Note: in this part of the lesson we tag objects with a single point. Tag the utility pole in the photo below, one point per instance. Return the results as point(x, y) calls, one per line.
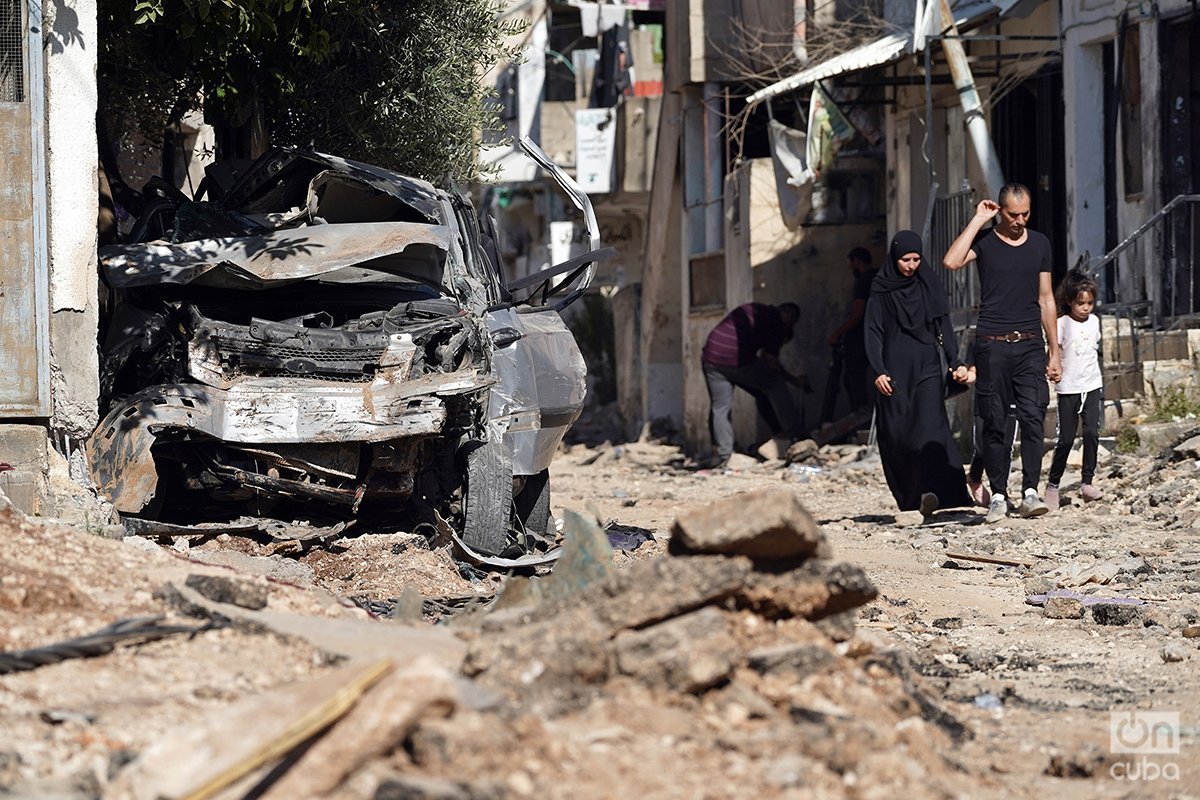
point(973, 113)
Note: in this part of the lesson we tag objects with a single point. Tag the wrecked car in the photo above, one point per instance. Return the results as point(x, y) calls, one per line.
point(321, 337)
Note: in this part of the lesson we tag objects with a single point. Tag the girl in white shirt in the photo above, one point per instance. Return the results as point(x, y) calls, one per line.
point(1081, 389)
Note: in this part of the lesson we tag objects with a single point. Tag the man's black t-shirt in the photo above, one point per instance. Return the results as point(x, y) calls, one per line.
point(1008, 282)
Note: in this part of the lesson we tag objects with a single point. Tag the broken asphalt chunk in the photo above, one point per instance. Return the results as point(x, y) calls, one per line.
point(763, 524)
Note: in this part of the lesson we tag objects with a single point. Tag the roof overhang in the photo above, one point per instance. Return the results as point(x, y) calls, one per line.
point(880, 52)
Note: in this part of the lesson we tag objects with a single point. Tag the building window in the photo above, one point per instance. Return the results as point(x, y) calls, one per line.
point(12, 51)
point(1131, 112)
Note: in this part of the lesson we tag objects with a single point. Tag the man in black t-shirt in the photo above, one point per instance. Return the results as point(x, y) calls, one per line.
point(849, 335)
point(1016, 308)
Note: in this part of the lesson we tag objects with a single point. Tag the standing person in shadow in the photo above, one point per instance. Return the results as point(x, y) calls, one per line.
point(907, 323)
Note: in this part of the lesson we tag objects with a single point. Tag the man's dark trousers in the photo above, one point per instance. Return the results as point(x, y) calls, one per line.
point(1012, 374)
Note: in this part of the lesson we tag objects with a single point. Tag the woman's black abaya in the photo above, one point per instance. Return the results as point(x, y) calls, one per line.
point(903, 318)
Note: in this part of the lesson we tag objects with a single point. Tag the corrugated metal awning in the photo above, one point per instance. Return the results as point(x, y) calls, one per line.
point(882, 51)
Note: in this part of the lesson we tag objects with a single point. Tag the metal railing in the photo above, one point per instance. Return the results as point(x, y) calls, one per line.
point(949, 216)
point(1173, 239)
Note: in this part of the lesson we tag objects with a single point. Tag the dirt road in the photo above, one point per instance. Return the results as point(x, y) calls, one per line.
point(948, 684)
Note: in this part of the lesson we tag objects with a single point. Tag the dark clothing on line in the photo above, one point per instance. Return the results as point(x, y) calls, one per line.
point(1070, 408)
point(1008, 282)
point(746, 330)
point(915, 445)
point(1010, 374)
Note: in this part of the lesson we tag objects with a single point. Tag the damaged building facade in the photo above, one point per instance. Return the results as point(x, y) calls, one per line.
point(589, 90)
point(744, 208)
point(48, 209)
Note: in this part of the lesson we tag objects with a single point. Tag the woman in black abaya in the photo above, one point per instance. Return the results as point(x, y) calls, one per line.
point(905, 315)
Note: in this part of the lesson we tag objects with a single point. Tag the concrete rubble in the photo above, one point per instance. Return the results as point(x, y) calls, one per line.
point(780, 634)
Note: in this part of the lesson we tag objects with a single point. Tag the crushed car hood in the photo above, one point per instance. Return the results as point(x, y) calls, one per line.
point(280, 256)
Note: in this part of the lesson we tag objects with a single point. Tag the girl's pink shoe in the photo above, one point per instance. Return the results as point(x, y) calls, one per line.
point(1090, 493)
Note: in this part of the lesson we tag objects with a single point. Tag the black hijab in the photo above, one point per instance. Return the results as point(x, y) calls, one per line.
point(917, 301)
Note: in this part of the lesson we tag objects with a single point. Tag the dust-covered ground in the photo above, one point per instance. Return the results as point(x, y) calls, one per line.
point(902, 663)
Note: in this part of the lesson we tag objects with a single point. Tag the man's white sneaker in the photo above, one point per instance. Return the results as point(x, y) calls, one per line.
point(997, 509)
point(1032, 505)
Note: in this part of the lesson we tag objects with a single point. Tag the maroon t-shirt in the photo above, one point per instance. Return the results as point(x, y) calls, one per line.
point(736, 340)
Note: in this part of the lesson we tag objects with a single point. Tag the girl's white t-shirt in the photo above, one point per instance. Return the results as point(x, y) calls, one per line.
point(1079, 343)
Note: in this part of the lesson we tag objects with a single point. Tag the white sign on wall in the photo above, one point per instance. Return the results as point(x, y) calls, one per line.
point(595, 147)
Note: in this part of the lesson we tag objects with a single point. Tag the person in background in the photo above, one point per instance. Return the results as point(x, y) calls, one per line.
point(849, 335)
point(907, 323)
point(1013, 359)
point(742, 351)
point(1081, 389)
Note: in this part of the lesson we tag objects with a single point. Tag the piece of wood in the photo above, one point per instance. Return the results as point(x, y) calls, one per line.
point(1007, 562)
point(379, 723)
point(308, 725)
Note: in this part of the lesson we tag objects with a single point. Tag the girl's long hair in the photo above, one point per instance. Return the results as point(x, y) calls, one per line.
point(1073, 284)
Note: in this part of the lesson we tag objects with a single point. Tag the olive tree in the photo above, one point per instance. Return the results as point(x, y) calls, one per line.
point(393, 83)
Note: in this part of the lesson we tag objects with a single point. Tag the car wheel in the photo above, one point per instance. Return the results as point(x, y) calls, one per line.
point(532, 505)
point(487, 496)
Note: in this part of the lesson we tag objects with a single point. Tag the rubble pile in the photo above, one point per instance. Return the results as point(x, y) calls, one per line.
point(728, 667)
point(748, 627)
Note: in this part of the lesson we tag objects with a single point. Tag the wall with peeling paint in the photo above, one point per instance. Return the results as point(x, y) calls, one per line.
point(71, 46)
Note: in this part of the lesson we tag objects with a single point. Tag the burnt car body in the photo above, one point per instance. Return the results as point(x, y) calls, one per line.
point(323, 337)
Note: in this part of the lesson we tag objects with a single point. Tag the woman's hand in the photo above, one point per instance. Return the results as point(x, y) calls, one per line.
point(884, 384)
point(963, 375)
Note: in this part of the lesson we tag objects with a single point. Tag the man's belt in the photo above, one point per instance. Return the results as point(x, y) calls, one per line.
point(1015, 336)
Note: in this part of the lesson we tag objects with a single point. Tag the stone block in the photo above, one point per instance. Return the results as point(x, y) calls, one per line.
point(764, 524)
point(25, 449)
point(1114, 613)
point(688, 654)
point(1063, 608)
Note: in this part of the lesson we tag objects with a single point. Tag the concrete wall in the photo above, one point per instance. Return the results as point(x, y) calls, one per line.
point(72, 207)
point(72, 202)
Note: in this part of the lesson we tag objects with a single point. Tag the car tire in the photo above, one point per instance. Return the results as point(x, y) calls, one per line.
point(532, 505)
point(487, 496)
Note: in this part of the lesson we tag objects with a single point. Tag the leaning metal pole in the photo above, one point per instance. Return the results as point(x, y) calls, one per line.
point(973, 113)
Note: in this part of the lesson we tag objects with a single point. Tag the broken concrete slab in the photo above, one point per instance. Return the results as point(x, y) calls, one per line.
point(345, 637)
point(814, 591)
point(274, 568)
point(764, 524)
point(643, 593)
point(690, 653)
point(587, 558)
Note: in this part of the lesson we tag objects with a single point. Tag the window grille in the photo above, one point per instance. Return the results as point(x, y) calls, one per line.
point(12, 51)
